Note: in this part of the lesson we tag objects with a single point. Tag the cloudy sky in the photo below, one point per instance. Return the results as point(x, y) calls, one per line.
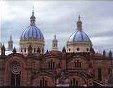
point(59, 17)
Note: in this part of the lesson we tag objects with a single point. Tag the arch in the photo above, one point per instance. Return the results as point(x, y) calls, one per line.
point(80, 78)
point(44, 79)
point(14, 58)
point(85, 63)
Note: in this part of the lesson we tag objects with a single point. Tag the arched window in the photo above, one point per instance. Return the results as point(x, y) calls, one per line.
point(78, 49)
point(25, 50)
point(21, 49)
point(34, 50)
point(87, 49)
point(43, 82)
point(15, 74)
point(69, 49)
point(77, 64)
point(53, 45)
point(73, 82)
point(51, 64)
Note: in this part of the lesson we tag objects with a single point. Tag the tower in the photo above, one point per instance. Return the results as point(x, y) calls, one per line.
point(33, 37)
point(79, 41)
point(10, 44)
point(55, 43)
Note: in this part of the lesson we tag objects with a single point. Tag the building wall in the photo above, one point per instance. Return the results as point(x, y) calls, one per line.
point(55, 68)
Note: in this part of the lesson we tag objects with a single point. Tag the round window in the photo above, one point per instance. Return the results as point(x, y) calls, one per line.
point(15, 68)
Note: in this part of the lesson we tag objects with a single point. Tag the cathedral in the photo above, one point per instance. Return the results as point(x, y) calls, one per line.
point(76, 65)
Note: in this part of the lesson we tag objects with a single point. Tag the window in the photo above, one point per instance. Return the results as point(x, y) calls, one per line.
point(73, 82)
point(53, 45)
point(25, 50)
point(69, 49)
point(78, 49)
point(87, 49)
point(99, 74)
point(51, 64)
point(43, 82)
point(34, 50)
point(77, 64)
point(21, 50)
point(15, 74)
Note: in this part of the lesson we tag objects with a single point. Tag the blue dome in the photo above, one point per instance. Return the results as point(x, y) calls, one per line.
point(79, 36)
point(32, 32)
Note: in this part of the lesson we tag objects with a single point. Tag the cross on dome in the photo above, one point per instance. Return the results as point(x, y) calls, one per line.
point(79, 18)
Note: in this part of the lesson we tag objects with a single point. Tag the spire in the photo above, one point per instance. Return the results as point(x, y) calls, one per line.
point(32, 18)
point(3, 50)
point(64, 49)
point(54, 36)
point(10, 38)
point(104, 53)
point(110, 54)
point(79, 18)
point(79, 24)
point(14, 50)
point(47, 51)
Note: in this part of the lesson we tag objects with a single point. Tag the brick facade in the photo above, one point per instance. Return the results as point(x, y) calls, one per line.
point(56, 67)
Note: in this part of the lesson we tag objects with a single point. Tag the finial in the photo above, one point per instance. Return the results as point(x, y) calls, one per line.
point(64, 50)
point(79, 17)
point(110, 54)
point(10, 38)
point(33, 11)
point(14, 50)
point(104, 53)
point(54, 36)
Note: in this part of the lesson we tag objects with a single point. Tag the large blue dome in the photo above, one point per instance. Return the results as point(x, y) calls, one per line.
point(32, 32)
point(79, 36)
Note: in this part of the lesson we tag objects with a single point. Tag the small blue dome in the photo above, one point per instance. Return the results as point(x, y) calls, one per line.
point(79, 36)
point(32, 32)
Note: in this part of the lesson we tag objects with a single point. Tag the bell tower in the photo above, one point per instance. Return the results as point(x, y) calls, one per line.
point(55, 43)
point(10, 44)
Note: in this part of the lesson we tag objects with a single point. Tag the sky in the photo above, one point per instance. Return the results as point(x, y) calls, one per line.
point(59, 18)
